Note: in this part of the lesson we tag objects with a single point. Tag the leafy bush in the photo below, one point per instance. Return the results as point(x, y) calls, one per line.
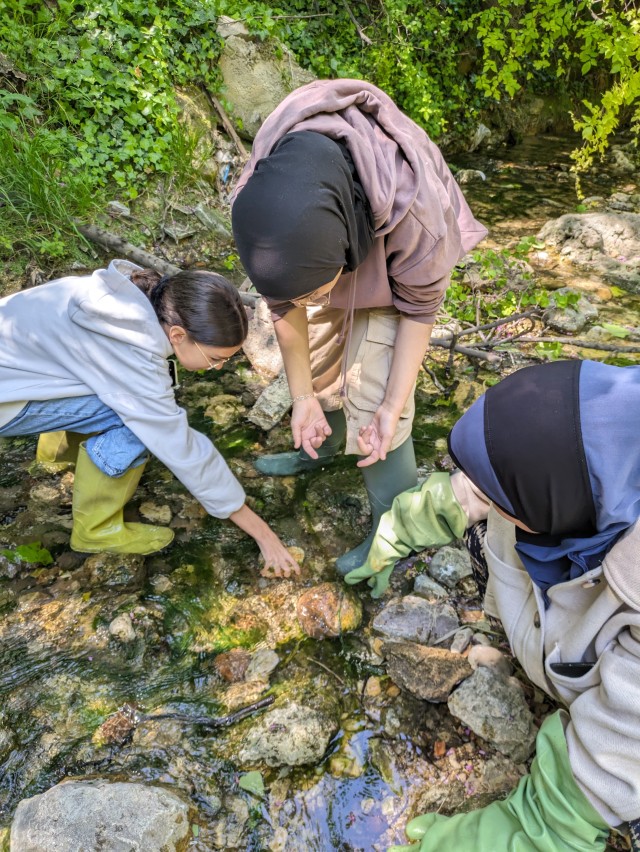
point(104, 73)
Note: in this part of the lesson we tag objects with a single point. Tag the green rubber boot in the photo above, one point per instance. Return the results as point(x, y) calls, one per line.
point(384, 480)
point(291, 464)
point(58, 450)
point(98, 522)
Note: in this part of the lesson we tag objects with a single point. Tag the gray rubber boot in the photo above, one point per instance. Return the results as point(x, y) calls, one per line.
point(290, 464)
point(384, 480)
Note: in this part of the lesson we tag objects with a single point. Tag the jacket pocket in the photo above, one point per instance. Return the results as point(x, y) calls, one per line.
point(569, 680)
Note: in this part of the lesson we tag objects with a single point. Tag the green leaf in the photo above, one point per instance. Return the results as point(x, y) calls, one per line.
point(33, 553)
point(252, 782)
point(615, 330)
point(617, 291)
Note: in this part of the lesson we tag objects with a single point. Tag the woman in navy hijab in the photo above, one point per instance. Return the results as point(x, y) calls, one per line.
point(547, 497)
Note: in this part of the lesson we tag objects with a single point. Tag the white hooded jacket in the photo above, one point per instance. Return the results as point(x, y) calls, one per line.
point(98, 334)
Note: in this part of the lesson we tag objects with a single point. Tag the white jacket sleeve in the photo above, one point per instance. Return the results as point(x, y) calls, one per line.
point(163, 428)
point(603, 735)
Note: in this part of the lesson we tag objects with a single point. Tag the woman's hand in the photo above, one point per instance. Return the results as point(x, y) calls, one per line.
point(375, 439)
point(278, 562)
point(309, 426)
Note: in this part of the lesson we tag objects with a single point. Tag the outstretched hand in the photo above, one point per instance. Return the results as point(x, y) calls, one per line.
point(278, 562)
point(374, 440)
point(309, 426)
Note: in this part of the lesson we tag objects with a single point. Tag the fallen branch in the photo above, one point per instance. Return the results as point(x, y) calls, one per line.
point(365, 38)
point(213, 721)
point(226, 122)
point(491, 357)
point(573, 341)
point(122, 248)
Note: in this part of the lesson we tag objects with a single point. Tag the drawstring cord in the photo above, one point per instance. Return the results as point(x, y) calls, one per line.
point(347, 327)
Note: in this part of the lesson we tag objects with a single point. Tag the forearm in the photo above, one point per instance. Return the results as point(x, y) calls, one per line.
point(293, 338)
point(252, 524)
point(411, 344)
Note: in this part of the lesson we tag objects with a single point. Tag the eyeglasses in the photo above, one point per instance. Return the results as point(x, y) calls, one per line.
point(312, 301)
point(213, 365)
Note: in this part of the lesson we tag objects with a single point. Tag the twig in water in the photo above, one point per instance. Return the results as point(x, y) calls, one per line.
point(327, 669)
point(213, 721)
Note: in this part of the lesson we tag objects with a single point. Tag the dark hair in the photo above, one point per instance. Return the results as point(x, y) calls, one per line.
point(205, 304)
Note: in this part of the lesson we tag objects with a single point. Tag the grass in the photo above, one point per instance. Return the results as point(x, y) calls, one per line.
point(40, 196)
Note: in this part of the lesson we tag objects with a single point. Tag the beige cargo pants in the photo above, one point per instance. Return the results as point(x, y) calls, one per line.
point(368, 364)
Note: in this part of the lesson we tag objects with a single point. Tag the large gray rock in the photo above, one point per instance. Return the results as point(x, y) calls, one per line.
point(257, 74)
point(78, 816)
point(272, 404)
point(414, 619)
point(606, 243)
point(427, 673)
point(494, 708)
point(294, 735)
point(261, 346)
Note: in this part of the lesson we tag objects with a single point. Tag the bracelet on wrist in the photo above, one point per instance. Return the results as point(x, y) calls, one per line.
point(302, 396)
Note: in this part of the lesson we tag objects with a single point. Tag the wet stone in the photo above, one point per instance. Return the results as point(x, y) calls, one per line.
point(155, 513)
point(121, 628)
point(328, 610)
point(230, 827)
point(461, 640)
point(232, 665)
point(416, 620)
point(449, 565)
point(494, 707)
point(113, 816)
point(117, 728)
point(426, 587)
point(262, 663)
point(427, 673)
point(114, 569)
point(240, 694)
point(293, 735)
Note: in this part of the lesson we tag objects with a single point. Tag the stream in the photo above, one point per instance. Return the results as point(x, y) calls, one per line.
point(82, 637)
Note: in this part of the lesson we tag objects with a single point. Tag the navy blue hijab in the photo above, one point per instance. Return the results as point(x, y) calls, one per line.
point(557, 446)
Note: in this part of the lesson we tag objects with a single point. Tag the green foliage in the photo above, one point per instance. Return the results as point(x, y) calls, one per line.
point(105, 73)
point(39, 195)
point(32, 554)
point(502, 286)
point(412, 50)
point(560, 42)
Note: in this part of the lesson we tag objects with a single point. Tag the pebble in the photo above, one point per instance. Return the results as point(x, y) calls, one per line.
point(121, 628)
point(490, 658)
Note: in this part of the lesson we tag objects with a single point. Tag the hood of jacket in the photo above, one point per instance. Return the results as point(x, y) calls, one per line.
point(387, 147)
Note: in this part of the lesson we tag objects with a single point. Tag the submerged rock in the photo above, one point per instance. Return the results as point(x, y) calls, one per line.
point(232, 665)
point(78, 815)
point(293, 735)
point(494, 707)
point(427, 673)
point(328, 610)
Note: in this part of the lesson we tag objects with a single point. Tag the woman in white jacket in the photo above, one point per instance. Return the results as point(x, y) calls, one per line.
point(85, 357)
point(547, 496)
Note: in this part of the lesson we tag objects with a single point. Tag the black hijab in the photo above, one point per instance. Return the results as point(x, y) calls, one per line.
point(555, 446)
point(301, 217)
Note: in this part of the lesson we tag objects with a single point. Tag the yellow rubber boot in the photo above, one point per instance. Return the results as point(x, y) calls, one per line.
point(98, 503)
point(58, 450)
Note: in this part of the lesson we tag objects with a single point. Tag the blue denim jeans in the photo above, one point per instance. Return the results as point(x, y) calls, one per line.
point(114, 450)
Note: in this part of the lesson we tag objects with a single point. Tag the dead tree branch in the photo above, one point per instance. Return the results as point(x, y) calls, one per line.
point(226, 122)
point(124, 249)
